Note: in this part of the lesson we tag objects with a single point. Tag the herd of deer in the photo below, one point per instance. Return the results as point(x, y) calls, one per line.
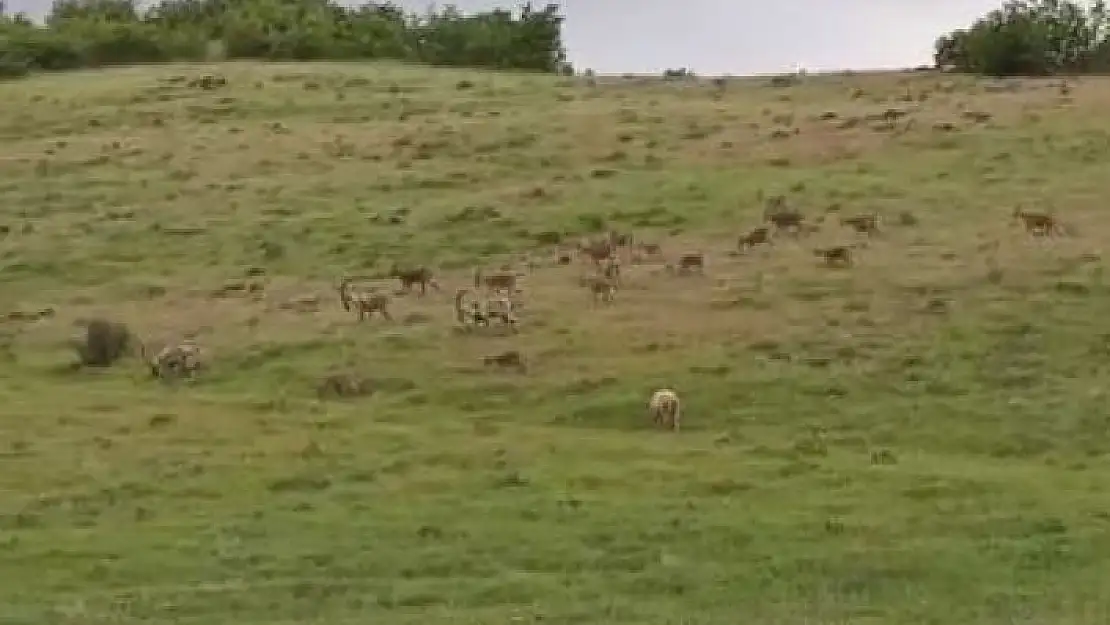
point(493, 297)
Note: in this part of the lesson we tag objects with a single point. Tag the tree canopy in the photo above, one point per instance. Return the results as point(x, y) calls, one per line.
point(1031, 38)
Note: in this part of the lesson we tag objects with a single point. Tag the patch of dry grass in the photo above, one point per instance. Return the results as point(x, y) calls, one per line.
point(915, 438)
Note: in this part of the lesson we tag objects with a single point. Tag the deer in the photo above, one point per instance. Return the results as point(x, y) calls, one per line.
point(666, 409)
point(413, 276)
point(837, 256)
point(364, 304)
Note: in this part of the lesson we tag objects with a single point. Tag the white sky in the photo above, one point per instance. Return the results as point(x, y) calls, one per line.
point(738, 36)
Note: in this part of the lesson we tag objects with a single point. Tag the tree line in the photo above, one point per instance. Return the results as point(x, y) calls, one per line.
point(93, 33)
point(1031, 38)
point(1021, 37)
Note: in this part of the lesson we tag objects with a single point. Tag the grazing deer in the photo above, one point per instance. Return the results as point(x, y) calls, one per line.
point(611, 269)
point(505, 281)
point(688, 262)
point(477, 316)
point(772, 203)
point(867, 223)
point(464, 314)
point(511, 359)
point(1039, 224)
point(619, 239)
point(596, 251)
point(757, 236)
point(787, 220)
point(365, 304)
point(411, 277)
point(601, 288)
point(180, 360)
point(502, 309)
point(778, 215)
point(837, 256)
point(643, 250)
point(666, 409)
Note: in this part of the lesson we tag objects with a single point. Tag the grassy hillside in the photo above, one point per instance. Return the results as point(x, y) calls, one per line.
point(920, 438)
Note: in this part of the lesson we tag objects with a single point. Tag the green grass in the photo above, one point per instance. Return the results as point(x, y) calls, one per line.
point(921, 438)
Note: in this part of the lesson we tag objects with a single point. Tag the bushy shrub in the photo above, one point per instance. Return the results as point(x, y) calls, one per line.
point(104, 342)
point(13, 66)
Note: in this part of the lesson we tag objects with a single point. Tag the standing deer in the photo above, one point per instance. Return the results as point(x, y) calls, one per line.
point(666, 409)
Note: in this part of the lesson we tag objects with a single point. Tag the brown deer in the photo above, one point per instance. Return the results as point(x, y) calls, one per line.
point(502, 309)
point(1039, 224)
point(601, 288)
point(787, 220)
point(756, 236)
point(643, 251)
point(689, 262)
point(464, 314)
point(413, 276)
point(619, 239)
point(596, 251)
point(511, 359)
point(866, 223)
point(611, 269)
point(505, 281)
point(778, 215)
point(837, 256)
point(365, 304)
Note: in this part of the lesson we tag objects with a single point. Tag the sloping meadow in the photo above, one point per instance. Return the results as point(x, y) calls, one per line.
point(916, 436)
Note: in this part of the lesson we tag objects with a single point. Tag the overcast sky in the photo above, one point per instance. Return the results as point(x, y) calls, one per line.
point(738, 36)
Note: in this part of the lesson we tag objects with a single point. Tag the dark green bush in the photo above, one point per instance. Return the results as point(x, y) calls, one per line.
point(13, 66)
point(43, 49)
point(103, 343)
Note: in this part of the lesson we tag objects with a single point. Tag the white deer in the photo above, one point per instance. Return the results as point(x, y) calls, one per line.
point(665, 408)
